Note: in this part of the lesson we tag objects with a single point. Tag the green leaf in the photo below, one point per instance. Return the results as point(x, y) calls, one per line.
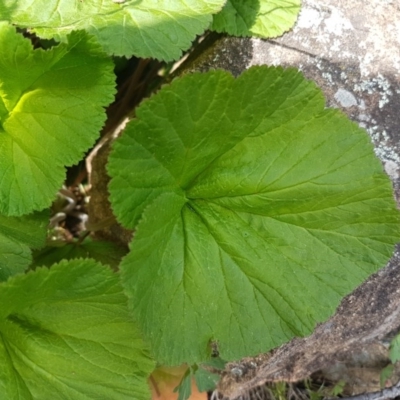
point(17, 236)
point(184, 388)
point(145, 28)
point(338, 388)
point(262, 18)
point(385, 375)
point(257, 212)
point(394, 352)
point(206, 381)
point(53, 109)
point(66, 334)
point(105, 252)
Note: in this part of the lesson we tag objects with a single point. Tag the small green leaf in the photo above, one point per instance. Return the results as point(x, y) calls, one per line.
point(258, 211)
point(338, 388)
point(66, 334)
point(394, 352)
point(184, 388)
point(146, 28)
point(385, 375)
point(206, 381)
point(262, 18)
point(17, 236)
point(106, 253)
point(53, 109)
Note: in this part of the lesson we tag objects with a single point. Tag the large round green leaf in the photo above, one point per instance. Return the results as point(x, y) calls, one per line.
point(17, 236)
point(51, 111)
point(66, 333)
point(256, 210)
point(145, 28)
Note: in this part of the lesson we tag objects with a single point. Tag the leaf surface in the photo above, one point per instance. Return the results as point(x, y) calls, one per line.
point(52, 111)
point(145, 28)
point(256, 210)
point(66, 334)
point(207, 381)
point(107, 253)
point(394, 350)
point(262, 18)
point(17, 236)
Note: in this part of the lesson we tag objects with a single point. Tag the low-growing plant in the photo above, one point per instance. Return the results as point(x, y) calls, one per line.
point(394, 357)
point(255, 209)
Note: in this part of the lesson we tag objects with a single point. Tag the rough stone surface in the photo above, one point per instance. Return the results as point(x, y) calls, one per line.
point(220, 52)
